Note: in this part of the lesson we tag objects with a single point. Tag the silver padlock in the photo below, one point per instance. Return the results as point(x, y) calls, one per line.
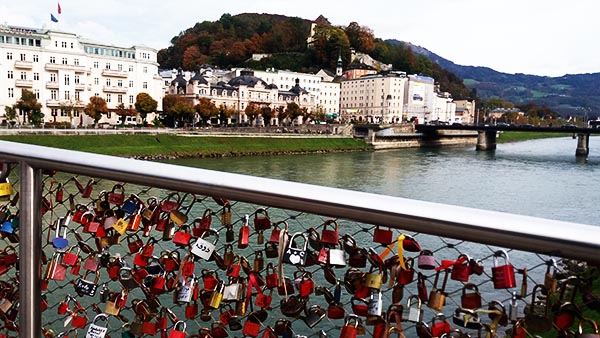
point(95, 330)
point(336, 257)
point(415, 313)
point(513, 309)
point(126, 278)
point(185, 290)
point(375, 303)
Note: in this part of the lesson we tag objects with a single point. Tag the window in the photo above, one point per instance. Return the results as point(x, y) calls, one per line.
point(119, 83)
point(63, 44)
point(36, 58)
point(55, 43)
point(107, 98)
point(52, 59)
point(96, 81)
point(95, 64)
point(96, 94)
point(108, 82)
point(67, 95)
point(76, 79)
point(76, 62)
point(63, 113)
point(77, 95)
point(9, 56)
point(23, 76)
point(53, 94)
point(37, 93)
point(120, 66)
point(145, 85)
point(67, 79)
point(131, 68)
point(52, 77)
point(130, 98)
point(36, 76)
point(107, 65)
point(10, 74)
point(120, 98)
point(11, 92)
point(145, 69)
point(130, 84)
point(54, 111)
point(75, 113)
point(72, 45)
point(22, 57)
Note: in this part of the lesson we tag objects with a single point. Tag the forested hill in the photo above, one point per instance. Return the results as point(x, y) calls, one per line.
point(570, 94)
point(231, 41)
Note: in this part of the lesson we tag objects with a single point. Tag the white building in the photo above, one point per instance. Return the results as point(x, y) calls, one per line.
point(64, 69)
point(376, 98)
point(420, 96)
point(444, 108)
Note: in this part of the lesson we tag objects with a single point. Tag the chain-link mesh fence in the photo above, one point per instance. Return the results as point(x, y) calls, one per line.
point(140, 261)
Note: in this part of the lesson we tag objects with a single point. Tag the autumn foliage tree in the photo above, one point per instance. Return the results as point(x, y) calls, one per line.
point(145, 104)
point(361, 37)
point(30, 107)
point(252, 112)
point(205, 108)
point(177, 109)
point(96, 108)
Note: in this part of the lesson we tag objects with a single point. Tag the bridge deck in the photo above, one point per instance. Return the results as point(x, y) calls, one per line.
point(426, 128)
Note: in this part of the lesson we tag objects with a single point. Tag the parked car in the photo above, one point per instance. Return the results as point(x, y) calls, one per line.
point(501, 124)
point(568, 126)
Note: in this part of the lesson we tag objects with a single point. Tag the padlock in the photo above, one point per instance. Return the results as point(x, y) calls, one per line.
point(336, 257)
point(406, 276)
point(117, 195)
point(209, 279)
point(263, 300)
point(171, 202)
point(330, 236)
point(185, 290)
point(306, 285)
point(56, 270)
point(375, 303)
point(438, 328)
point(134, 243)
point(217, 296)
point(503, 276)
point(226, 215)
point(78, 318)
point(178, 330)
point(513, 310)
point(127, 278)
point(96, 330)
point(497, 313)
point(350, 328)
point(426, 261)
point(60, 241)
point(261, 220)
point(272, 279)
point(259, 261)
point(536, 318)
point(244, 234)
point(168, 230)
point(121, 226)
point(234, 269)
point(314, 315)
point(466, 318)
point(565, 311)
point(550, 281)
point(274, 237)
point(461, 270)
point(471, 300)
point(232, 291)
point(587, 335)
point(437, 296)
point(191, 311)
point(293, 254)
point(202, 224)
point(87, 190)
point(382, 236)
point(414, 311)
point(182, 237)
point(6, 190)
point(87, 287)
point(178, 217)
point(373, 280)
point(336, 310)
point(203, 248)
point(360, 307)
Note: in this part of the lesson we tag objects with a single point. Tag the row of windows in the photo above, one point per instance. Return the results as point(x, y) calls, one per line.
point(63, 44)
point(109, 52)
point(21, 41)
point(63, 113)
point(67, 95)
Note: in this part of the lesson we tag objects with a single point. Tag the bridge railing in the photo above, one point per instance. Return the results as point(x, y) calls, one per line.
point(40, 174)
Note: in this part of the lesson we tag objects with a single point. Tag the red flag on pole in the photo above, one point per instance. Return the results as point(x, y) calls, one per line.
point(59, 11)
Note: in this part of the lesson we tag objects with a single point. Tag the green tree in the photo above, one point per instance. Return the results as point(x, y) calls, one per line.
point(10, 114)
point(266, 113)
point(29, 106)
point(328, 42)
point(145, 104)
point(225, 113)
point(205, 108)
point(96, 108)
point(67, 108)
point(360, 37)
point(293, 111)
point(177, 109)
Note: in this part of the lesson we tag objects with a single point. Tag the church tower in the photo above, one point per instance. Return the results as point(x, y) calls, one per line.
point(338, 70)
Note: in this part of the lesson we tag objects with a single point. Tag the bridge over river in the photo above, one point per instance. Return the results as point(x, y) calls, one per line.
point(486, 139)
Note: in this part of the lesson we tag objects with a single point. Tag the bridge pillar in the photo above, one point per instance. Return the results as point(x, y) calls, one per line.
point(583, 145)
point(486, 140)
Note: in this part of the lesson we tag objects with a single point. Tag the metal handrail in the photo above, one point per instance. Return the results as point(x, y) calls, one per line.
point(551, 237)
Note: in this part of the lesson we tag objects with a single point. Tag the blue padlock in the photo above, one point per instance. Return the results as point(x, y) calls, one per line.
point(60, 242)
point(7, 227)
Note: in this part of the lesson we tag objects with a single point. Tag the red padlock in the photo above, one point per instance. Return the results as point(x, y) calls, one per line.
point(178, 330)
point(272, 278)
point(209, 279)
point(350, 328)
point(426, 261)
point(503, 276)
point(307, 285)
point(382, 236)
point(360, 307)
point(243, 239)
point(203, 223)
point(261, 220)
point(440, 327)
point(336, 311)
point(461, 270)
point(330, 236)
point(251, 328)
point(406, 276)
point(274, 238)
point(470, 300)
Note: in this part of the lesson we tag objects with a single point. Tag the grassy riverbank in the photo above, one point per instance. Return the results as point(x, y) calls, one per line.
point(183, 146)
point(515, 136)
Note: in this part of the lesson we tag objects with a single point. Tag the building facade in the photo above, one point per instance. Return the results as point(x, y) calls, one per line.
point(465, 111)
point(65, 70)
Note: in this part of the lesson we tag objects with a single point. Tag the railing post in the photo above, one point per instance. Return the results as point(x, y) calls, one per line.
point(30, 240)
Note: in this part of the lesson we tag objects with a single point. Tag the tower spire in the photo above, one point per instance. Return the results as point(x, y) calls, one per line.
point(338, 70)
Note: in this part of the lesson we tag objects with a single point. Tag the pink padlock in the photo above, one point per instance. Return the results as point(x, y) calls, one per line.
point(426, 260)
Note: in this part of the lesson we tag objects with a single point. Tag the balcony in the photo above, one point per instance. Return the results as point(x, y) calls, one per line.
point(115, 73)
point(51, 85)
point(23, 65)
point(59, 66)
point(24, 83)
point(446, 231)
point(80, 86)
point(52, 103)
point(114, 89)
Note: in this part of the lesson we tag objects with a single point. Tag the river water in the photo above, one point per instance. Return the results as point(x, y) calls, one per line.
point(540, 178)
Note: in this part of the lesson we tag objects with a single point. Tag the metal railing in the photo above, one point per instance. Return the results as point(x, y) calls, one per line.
point(541, 236)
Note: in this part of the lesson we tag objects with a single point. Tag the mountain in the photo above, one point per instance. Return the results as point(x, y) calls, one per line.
point(570, 94)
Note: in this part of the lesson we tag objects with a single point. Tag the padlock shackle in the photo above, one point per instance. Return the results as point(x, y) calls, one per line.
point(4, 171)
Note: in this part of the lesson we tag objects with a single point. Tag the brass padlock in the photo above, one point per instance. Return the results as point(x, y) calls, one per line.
point(217, 296)
point(373, 280)
point(437, 297)
point(259, 261)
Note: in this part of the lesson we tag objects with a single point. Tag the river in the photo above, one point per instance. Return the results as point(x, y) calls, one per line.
point(540, 178)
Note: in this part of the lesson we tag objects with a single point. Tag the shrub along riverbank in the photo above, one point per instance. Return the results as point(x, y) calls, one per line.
point(172, 146)
point(515, 136)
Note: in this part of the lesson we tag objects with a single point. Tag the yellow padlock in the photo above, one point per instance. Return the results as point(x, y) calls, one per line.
point(373, 280)
point(6, 190)
point(217, 296)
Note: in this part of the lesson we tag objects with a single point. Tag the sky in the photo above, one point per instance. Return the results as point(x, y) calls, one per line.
point(539, 37)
